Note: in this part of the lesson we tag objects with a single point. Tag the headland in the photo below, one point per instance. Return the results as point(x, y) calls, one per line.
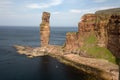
point(93, 49)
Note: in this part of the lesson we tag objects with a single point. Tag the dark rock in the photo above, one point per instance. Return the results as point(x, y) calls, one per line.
point(113, 32)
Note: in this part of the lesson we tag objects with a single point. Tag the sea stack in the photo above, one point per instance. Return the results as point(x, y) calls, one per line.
point(45, 29)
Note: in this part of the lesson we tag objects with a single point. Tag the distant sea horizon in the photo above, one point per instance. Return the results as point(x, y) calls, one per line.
point(34, 26)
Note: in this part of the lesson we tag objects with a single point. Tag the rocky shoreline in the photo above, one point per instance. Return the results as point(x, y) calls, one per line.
point(105, 70)
point(93, 49)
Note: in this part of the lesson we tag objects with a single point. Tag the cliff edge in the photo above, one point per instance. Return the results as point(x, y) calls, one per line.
point(98, 35)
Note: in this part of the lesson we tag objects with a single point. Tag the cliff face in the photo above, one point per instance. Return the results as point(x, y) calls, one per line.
point(113, 32)
point(45, 29)
point(101, 29)
point(108, 30)
point(71, 41)
point(87, 24)
point(86, 27)
point(75, 40)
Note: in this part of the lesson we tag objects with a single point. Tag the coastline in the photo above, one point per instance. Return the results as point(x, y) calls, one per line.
point(93, 49)
point(98, 67)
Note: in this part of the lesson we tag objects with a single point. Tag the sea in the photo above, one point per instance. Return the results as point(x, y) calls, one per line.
point(14, 66)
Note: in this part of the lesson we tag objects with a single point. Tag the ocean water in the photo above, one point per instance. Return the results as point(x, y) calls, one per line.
point(14, 66)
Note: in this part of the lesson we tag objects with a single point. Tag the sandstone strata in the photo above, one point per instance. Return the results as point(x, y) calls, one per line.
point(71, 41)
point(86, 27)
point(86, 24)
point(45, 29)
point(102, 69)
point(74, 40)
point(101, 29)
point(108, 29)
point(113, 32)
point(104, 25)
point(89, 24)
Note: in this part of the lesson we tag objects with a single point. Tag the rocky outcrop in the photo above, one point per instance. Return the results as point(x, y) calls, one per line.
point(108, 29)
point(31, 52)
point(86, 27)
point(71, 41)
point(101, 29)
point(74, 40)
point(103, 25)
point(113, 32)
point(92, 23)
point(89, 65)
point(105, 70)
point(45, 29)
point(86, 24)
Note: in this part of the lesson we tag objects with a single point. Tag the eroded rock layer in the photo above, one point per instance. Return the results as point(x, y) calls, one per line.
point(103, 25)
point(71, 41)
point(101, 29)
point(45, 29)
point(87, 23)
point(113, 32)
point(86, 26)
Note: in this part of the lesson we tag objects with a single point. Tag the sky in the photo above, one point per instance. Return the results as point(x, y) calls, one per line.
point(63, 12)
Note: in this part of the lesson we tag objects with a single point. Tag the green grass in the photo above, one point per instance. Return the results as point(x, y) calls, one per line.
point(91, 39)
point(91, 48)
point(100, 52)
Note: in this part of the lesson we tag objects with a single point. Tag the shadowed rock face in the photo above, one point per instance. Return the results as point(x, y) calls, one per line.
point(45, 29)
point(113, 31)
point(108, 32)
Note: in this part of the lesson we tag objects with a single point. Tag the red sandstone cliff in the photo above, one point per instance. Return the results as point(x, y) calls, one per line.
point(86, 24)
point(71, 41)
point(113, 33)
point(105, 27)
point(75, 40)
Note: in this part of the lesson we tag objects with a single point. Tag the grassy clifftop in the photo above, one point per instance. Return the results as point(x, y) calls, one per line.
point(109, 11)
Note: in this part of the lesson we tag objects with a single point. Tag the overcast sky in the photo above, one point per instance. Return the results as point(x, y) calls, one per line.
point(63, 12)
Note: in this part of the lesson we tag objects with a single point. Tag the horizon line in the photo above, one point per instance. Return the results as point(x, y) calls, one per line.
point(34, 26)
